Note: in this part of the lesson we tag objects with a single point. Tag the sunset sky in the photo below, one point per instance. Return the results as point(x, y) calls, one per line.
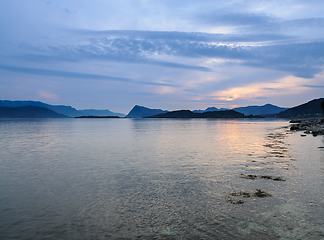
point(162, 53)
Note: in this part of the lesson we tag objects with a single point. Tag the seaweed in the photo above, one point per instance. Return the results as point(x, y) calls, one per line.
point(253, 177)
point(261, 194)
point(257, 194)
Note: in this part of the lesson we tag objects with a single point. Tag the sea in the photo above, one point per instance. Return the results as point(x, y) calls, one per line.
point(159, 179)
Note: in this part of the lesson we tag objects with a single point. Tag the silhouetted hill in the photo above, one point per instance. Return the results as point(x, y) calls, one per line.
point(265, 110)
point(94, 112)
point(260, 110)
point(140, 112)
point(223, 114)
point(190, 114)
point(309, 109)
point(65, 110)
point(176, 114)
point(29, 112)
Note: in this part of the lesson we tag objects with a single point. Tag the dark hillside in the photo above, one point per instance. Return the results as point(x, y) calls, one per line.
point(309, 109)
point(28, 112)
point(190, 114)
point(140, 112)
point(65, 110)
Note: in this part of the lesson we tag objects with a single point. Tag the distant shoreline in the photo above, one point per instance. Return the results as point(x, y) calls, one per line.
point(97, 117)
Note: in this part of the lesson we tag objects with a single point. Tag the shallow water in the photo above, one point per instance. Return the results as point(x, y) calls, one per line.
point(159, 179)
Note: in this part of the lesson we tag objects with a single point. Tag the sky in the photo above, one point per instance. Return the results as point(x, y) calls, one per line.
point(167, 54)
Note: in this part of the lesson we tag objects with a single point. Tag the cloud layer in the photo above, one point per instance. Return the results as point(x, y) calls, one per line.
point(177, 55)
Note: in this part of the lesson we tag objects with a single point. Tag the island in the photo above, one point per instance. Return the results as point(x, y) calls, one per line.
point(213, 114)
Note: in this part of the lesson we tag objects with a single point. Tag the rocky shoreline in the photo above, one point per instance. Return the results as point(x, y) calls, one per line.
point(309, 126)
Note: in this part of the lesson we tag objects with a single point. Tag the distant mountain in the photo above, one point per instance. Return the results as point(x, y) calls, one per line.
point(65, 110)
point(260, 110)
point(267, 109)
point(209, 109)
point(309, 109)
point(198, 111)
point(101, 113)
point(190, 114)
point(29, 112)
point(140, 112)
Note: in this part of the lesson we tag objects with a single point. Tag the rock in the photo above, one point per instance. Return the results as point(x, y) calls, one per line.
point(296, 120)
point(261, 194)
point(294, 127)
point(309, 126)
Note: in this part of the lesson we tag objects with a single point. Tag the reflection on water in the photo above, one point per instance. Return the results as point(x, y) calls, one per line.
point(159, 179)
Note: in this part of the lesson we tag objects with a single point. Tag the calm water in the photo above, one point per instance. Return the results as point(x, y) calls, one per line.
point(159, 179)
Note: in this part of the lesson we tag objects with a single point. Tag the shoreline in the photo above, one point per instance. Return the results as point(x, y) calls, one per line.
point(314, 126)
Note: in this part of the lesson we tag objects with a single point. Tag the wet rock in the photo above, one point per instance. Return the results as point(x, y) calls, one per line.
point(318, 132)
point(258, 194)
point(296, 120)
point(249, 176)
point(261, 194)
point(310, 126)
point(241, 194)
point(233, 201)
point(278, 179)
point(294, 127)
point(253, 177)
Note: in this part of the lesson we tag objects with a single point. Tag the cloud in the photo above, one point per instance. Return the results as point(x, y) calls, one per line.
point(47, 95)
point(181, 36)
point(242, 19)
point(76, 75)
point(287, 85)
point(304, 23)
point(313, 86)
point(300, 59)
point(180, 49)
point(251, 19)
point(182, 66)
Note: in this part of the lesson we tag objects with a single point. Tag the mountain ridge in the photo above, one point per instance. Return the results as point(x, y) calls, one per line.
point(266, 109)
point(310, 109)
point(191, 114)
point(61, 109)
point(29, 112)
point(140, 112)
point(260, 110)
point(100, 112)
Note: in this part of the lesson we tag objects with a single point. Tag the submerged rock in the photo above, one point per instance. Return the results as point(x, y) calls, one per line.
point(253, 177)
point(258, 194)
point(233, 201)
point(261, 194)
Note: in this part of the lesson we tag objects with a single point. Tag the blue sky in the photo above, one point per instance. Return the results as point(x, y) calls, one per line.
point(162, 54)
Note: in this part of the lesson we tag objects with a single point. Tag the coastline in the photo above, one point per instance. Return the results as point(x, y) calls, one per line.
point(314, 126)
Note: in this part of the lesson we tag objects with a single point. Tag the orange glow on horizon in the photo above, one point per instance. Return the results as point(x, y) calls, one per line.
point(285, 85)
